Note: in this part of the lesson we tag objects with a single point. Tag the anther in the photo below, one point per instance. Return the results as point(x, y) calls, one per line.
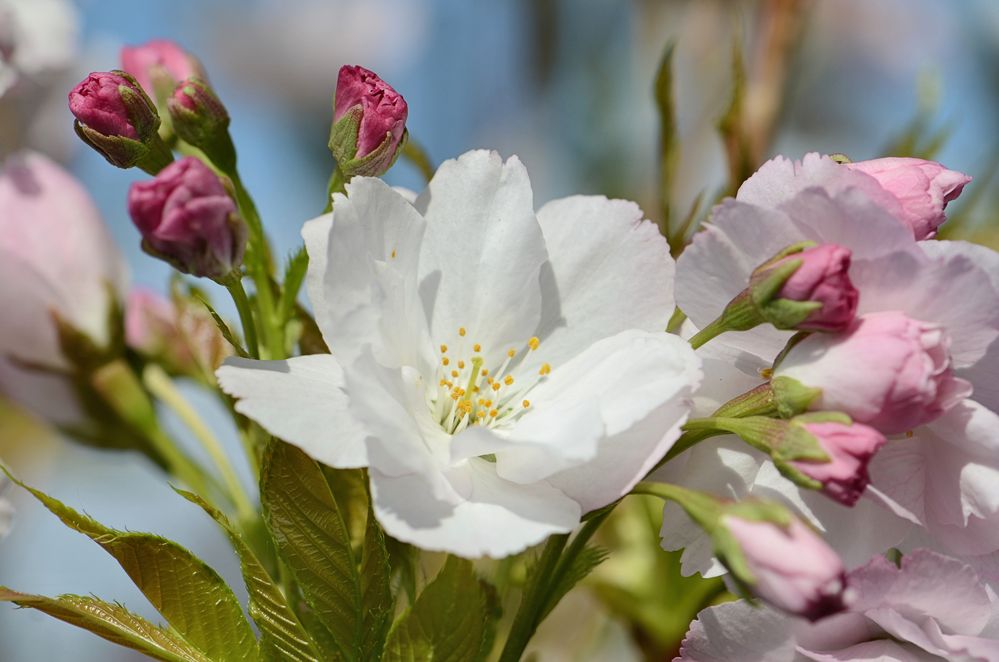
point(461, 365)
point(445, 361)
point(545, 369)
point(461, 331)
point(511, 353)
point(476, 347)
point(534, 342)
point(526, 403)
point(443, 349)
point(508, 380)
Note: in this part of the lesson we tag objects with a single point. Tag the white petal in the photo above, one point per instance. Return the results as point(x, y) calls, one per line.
point(716, 267)
point(371, 235)
point(300, 400)
point(470, 511)
point(722, 466)
point(984, 374)
point(780, 179)
point(593, 419)
point(924, 289)
point(482, 254)
point(642, 418)
point(611, 270)
point(739, 631)
point(949, 477)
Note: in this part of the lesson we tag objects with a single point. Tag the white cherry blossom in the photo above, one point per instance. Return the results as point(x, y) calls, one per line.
point(500, 371)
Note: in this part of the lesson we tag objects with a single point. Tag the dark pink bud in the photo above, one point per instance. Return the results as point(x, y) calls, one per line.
point(187, 218)
point(98, 103)
point(850, 448)
point(823, 277)
point(922, 188)
point(793, 568)
point(159, 59)
point(383, 110)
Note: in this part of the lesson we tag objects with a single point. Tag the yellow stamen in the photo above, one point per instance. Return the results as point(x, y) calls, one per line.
point(526, 403)
point(476, 347)
point(443, 349)
point(511, 353)
point(445, 361)
point(485, 372)
point(461, 331)
point(496, 386)
point(393, 253)
point(534, 342)
point(493, 413)
point(455, 373)
point(545, 369)
point(508, 380)
point(481, 413)
point(461, 365)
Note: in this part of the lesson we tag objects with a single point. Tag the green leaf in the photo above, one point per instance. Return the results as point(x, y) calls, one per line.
point(668, 141)
point(730, 125)
point(294, 275)
point(376, 577)
point(581, 566)
point(112, 622)
point(282, 636)
point(187, 592)
point(313, 539)
point(223, 328)
point(451, 621)
point(350, 491)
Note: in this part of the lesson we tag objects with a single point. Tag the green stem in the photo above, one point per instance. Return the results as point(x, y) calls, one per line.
point(712, 330)
point(525, 622)
point(163, 388)
point(550, 572)
point(235, 286)
point(257, 265)
point(337, 184)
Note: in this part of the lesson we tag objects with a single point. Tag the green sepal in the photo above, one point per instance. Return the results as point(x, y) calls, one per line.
point(791, 396)
point(206, 126)
point(343, 146)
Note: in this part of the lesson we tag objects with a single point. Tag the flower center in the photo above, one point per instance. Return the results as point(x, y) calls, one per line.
point(466, 391)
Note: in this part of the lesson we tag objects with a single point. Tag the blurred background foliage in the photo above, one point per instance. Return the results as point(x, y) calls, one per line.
point(667, 102)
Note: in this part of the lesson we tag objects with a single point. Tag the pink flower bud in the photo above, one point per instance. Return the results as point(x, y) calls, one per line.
point(187, 218)
point(794, 569)
point(369, 122)
point(887, 370)
point(850, 448)
point(923, 189)
point(823, 278)
point(159, 59)
point(98, 104)
point(183, 338)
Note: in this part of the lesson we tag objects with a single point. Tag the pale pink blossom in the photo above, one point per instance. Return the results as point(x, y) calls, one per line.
point(823, 278)
point(56, 258)
point(159, 59)
point(850, 448)
point(792, 567)
point(932, 607)
point(923, 189)
point(887, 370)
